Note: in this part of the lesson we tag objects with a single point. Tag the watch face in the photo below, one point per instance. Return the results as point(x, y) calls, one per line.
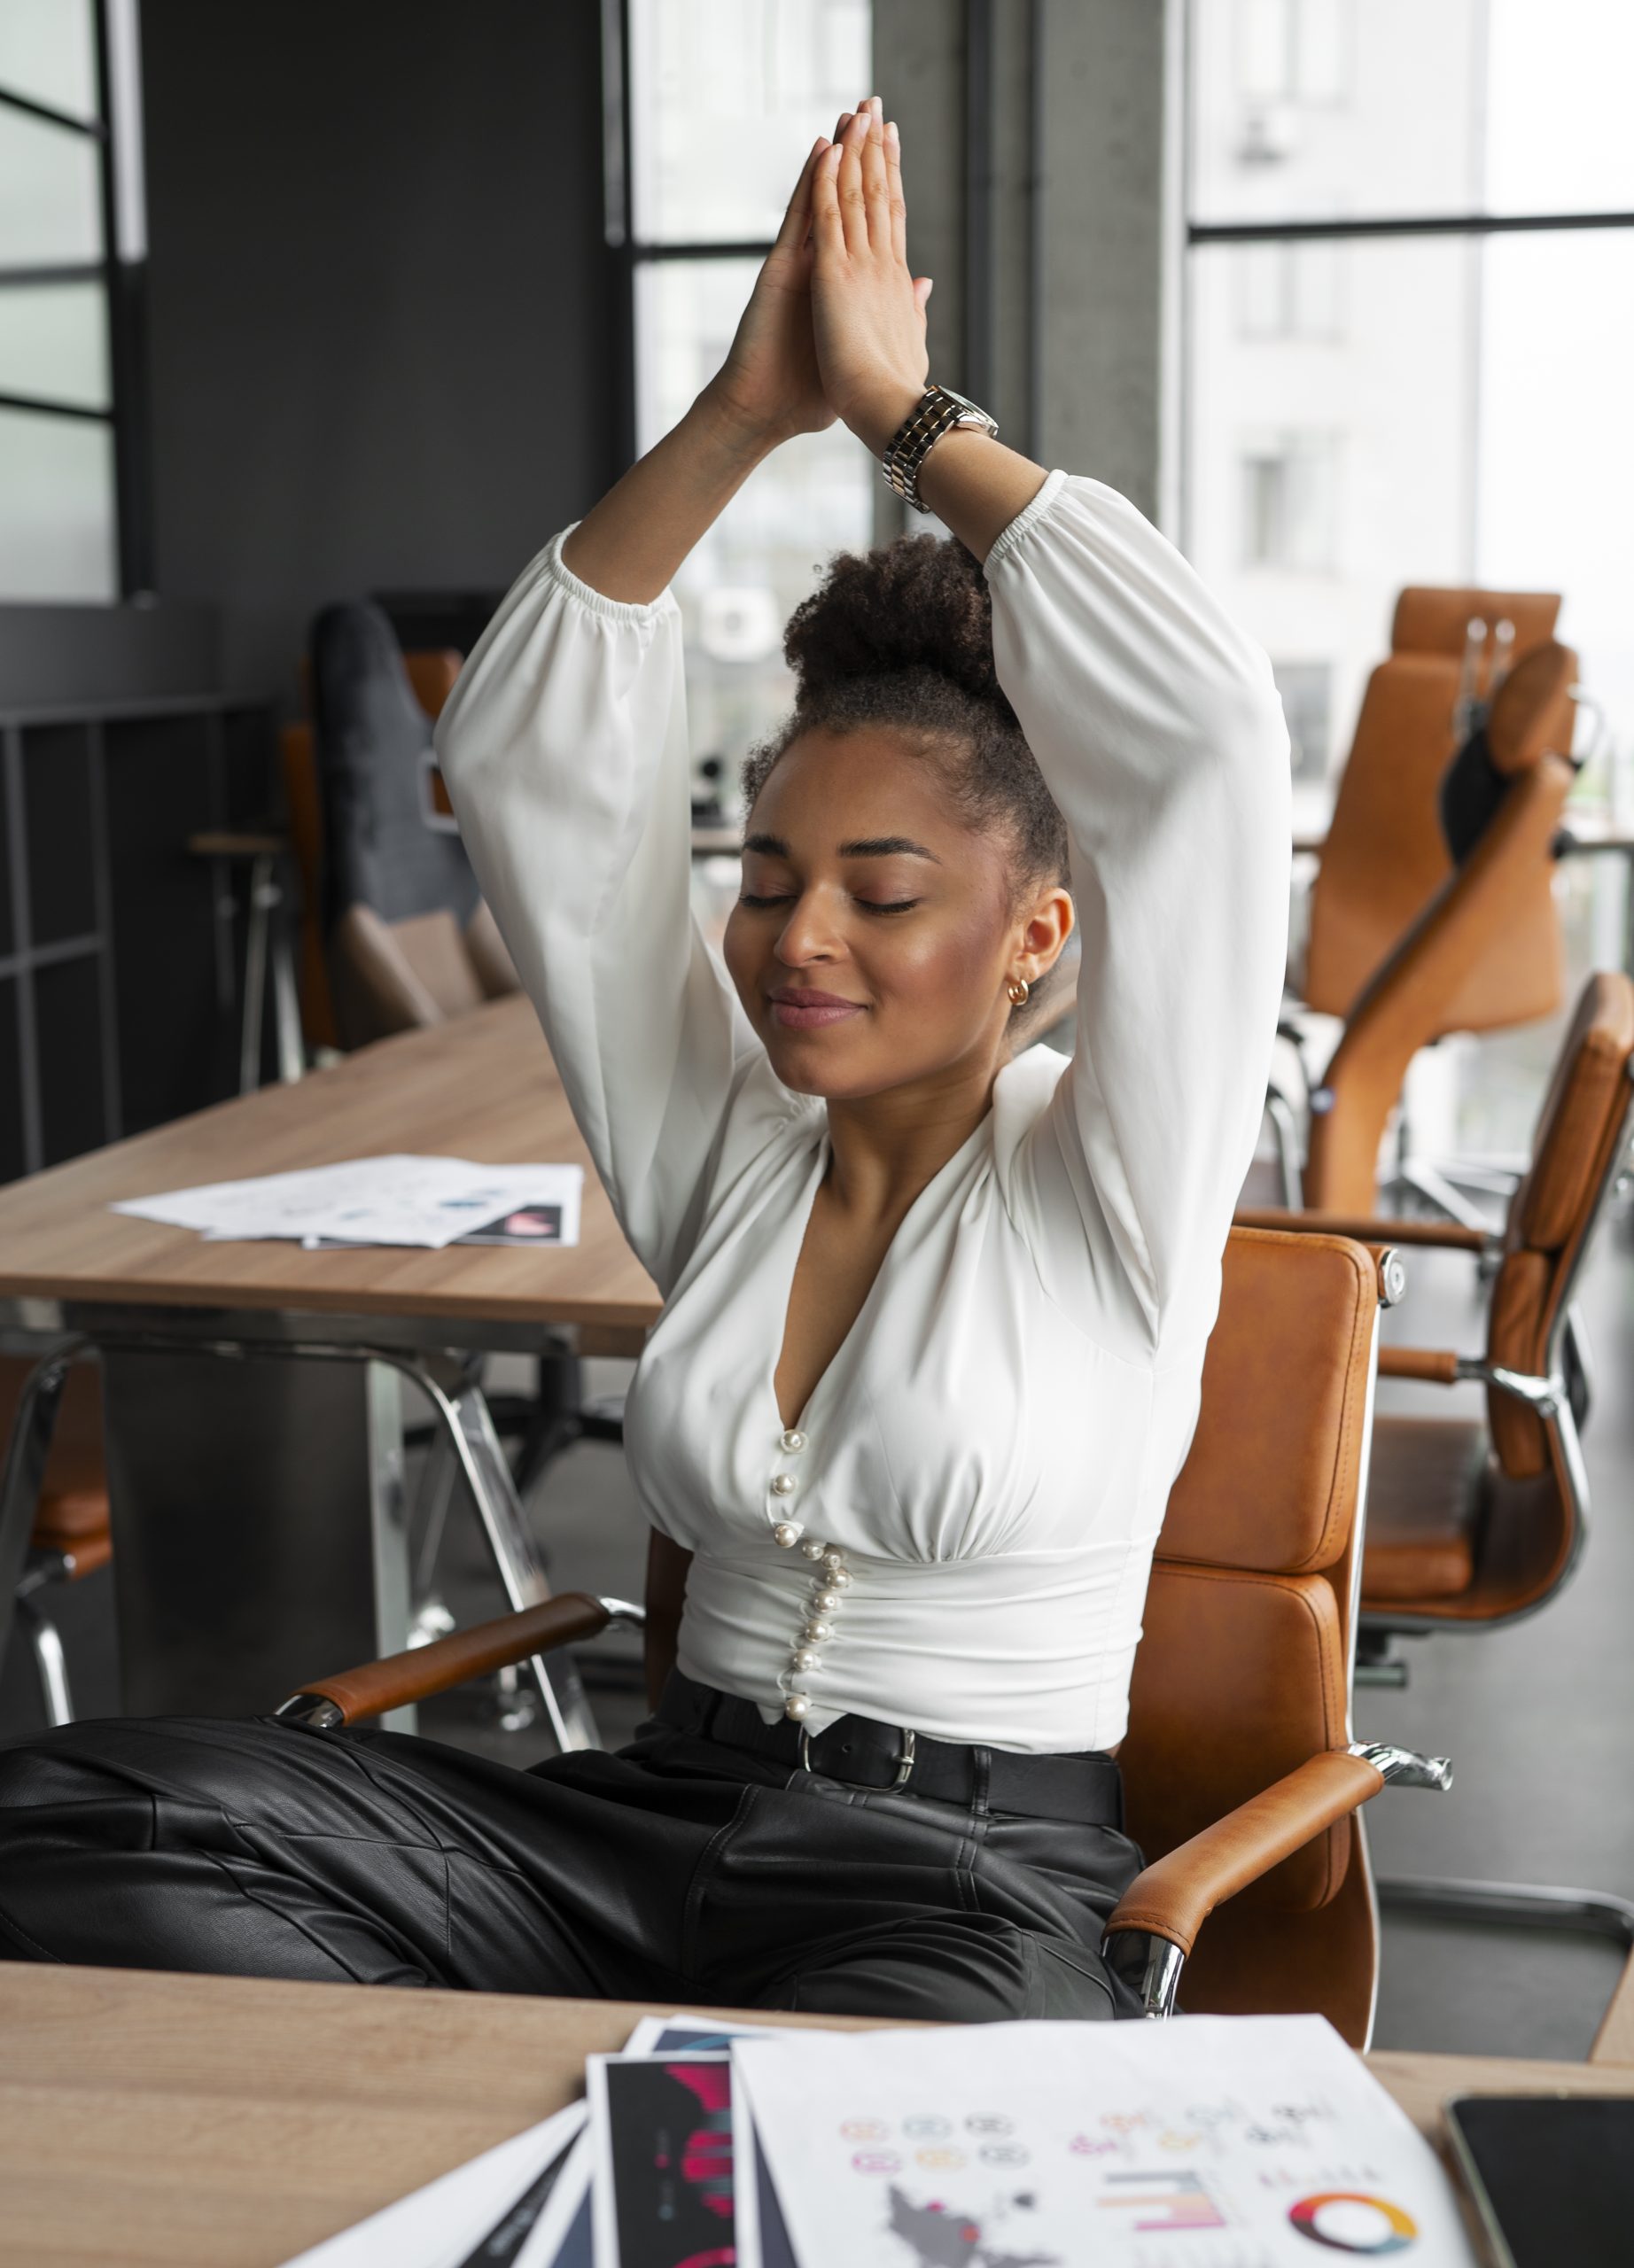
point(971, 412)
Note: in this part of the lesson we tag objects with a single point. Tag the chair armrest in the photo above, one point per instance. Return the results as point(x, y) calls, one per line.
point(1176, 1895)
point(373, 1688)
point(1435, 1365)
point(1450, 1236)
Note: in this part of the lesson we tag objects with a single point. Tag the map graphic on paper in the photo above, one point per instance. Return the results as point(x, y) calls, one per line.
point(1210, 2142)
point(947, 2236)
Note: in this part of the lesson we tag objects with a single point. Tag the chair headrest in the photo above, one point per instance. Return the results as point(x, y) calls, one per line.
point(1532, 713)
point(1271, 1483)
point(1587, 1098)
point(1435, 619)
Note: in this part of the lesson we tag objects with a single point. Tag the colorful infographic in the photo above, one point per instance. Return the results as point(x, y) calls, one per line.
point(1209, 2142)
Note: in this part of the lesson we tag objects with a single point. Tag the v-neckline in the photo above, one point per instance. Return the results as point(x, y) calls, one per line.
point(802, 1219)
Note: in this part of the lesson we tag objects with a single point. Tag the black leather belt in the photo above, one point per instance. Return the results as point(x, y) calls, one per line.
point(858, 1752)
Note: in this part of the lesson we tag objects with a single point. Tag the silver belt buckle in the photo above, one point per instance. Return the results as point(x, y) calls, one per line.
point(905, 1766)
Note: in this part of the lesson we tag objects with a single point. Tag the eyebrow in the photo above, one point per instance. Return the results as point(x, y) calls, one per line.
point(873, 846)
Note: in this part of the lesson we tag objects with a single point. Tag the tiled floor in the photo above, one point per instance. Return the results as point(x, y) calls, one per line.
point(1537, 1717)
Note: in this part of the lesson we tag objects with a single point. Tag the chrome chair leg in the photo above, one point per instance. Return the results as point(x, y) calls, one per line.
point(24, 1470)
point(258, 916)
point(463, 1411)
point(49, 1661)
point(1533, 1906)
point(1285, 1126)
point(285, 993)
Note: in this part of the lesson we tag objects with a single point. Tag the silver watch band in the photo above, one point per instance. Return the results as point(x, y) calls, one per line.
point(938, 411)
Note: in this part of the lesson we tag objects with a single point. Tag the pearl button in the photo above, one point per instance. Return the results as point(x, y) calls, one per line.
point(817, 1631)
point(797, 1705)
point(812, 1548)
point(782, 1484)
point(837, 1577)
point(791, 1442)
point(831, 1559)
point(786, 1533)
point(807, 1657)
point(826, 1600)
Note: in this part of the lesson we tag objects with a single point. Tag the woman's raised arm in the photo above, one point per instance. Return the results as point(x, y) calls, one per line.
point(566, 753)
point(1158, 730)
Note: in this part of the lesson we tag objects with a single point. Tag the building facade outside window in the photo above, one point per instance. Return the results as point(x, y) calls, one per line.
point(723, 97)
point(72, 244)
point(1410, 315)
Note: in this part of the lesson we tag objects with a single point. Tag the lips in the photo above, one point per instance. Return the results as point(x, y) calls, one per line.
point(797, 1008)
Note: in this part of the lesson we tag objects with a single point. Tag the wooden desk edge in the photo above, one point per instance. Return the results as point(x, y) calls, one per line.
point(298, 2110)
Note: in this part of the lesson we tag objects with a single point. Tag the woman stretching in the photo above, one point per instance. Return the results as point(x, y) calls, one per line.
point(934, 1309)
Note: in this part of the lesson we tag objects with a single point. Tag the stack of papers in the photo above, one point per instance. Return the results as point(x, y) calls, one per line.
point(1212, 2142)
point(400, 1199)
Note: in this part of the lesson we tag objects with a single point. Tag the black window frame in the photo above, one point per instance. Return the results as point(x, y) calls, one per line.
point(124, 284)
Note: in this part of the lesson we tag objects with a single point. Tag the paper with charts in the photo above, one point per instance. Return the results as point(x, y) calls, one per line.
point(1207, 2142)
point(428, 1202)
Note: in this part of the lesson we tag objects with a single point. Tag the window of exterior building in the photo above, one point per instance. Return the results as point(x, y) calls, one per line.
point(1408, 300)
point(722, 100)
point(70, 244)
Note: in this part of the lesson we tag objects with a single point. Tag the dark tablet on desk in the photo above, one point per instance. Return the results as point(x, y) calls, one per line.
point(1552, 2177)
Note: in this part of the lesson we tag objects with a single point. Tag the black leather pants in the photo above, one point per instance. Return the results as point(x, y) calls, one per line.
point(678, 1869)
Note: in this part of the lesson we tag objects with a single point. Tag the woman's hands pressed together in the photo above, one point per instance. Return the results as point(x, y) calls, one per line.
point(867, 310)
point(773, 383)
point(834, 328)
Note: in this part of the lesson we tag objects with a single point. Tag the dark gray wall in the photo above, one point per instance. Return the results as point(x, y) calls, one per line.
point(380, 334)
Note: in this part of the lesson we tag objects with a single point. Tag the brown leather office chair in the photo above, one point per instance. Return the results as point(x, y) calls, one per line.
point(1241, 1771)
point(1485, 952)
point(1474, 1522)
point(1383, 857)
point(69, 1535)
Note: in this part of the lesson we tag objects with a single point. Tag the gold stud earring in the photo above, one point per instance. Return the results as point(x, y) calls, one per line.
point(1018, 989)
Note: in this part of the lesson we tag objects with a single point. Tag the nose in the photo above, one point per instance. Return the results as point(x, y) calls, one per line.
point(809, 935)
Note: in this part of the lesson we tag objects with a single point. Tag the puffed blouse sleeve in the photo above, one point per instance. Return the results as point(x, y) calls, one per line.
point(1160, 733)
point(565, 748)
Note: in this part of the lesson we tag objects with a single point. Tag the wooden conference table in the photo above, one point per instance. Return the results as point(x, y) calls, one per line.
point(148, 2118)
point(252, 1392)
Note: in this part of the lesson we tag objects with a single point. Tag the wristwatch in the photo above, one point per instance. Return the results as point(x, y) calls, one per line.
point(938, 411)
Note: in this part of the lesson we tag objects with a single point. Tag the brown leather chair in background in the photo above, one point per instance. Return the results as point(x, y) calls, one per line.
point(1383, 858)
point(1483, 954)
point(1474, 1522)
point(1240, 1771)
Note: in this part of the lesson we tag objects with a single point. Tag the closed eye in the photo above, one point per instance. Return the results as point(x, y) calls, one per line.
point(868, 904)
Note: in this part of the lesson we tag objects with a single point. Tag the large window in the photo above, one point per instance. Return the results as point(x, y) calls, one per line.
point(1409, 295)
point(71, 247)
point(721, 101)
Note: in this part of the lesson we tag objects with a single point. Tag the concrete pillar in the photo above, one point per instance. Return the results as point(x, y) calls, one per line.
point(1053, 113)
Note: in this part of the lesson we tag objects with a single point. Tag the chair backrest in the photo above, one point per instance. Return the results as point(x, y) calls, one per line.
point(432, 674)
point(1385, 857)
point(1243, 1671)
point(1484, 954)
point(1435, 619)
point(1582, 1132)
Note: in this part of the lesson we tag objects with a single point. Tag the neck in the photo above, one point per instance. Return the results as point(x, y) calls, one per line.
point(884, 1148)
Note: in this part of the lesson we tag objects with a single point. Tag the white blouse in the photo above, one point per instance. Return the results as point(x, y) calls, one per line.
point(958, 1536)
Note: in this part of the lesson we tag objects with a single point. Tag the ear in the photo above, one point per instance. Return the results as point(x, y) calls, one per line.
point(1045, 927)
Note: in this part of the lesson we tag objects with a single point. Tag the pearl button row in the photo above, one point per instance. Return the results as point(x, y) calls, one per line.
point(787, 1532)
point(832, 1580)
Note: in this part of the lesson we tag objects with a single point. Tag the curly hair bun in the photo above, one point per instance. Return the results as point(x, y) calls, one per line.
point(919, 603)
